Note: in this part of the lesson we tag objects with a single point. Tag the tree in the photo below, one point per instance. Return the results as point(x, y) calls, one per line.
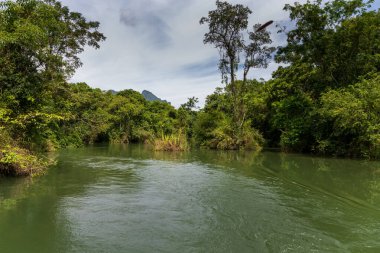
point(257, 53)
point(226, 25)
point(39, 46)
point(350, 120)
point(227, 31)
point(331, 46)
point(317, 102)
point(187, 115)
point(40, 41)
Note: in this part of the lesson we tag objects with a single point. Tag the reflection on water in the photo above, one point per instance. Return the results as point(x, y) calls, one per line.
point(130, 199)
point(13, 190)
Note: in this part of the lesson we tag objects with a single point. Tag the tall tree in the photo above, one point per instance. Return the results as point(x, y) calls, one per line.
point(228, 27)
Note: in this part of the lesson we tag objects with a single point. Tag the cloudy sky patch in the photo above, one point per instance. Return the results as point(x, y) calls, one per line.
point(157, 45)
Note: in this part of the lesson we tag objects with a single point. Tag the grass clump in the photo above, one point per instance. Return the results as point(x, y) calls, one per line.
point(171, 142)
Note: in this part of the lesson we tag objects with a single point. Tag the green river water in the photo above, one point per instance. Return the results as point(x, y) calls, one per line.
point(130, 199)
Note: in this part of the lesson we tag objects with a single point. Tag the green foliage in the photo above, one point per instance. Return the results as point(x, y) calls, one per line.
point(87, 115)
point(227, 31)
point(292, 116)
point(214, 126)
point(351, 117)
point(39, 110)
point(15, 161)
point(332, 45)
point(39, 45)
point(226, 25)
point(257, 52)
point(256, 99)
point(187, 116)
point(46, 36)
point(325, 100)
point(126, 110)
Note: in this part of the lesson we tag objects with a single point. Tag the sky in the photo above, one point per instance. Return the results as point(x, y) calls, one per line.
point(157, 45)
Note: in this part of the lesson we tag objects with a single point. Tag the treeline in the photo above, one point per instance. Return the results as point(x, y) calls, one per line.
point(79, 115)
point(40, 111)
point(324, 100)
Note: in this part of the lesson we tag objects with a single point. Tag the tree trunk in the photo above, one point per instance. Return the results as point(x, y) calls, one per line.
point(246, 70)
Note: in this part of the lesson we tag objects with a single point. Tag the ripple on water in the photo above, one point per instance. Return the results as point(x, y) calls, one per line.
point(131, 200)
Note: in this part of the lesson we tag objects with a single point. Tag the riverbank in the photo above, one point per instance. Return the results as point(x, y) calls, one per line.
point(20, 162)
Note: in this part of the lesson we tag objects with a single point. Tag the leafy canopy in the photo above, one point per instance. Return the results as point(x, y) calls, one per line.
point(332, 44)
point(40, 41)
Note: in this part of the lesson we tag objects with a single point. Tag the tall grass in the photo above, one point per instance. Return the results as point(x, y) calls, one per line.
point(171, 142)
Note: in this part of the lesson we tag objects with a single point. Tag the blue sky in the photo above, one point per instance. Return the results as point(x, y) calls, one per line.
point(157, 45)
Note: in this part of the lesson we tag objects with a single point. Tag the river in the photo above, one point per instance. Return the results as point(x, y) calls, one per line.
point(130, 199)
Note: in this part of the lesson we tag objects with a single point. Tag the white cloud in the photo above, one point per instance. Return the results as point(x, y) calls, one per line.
point(157, 45)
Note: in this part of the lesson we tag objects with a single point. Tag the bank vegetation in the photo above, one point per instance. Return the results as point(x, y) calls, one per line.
point(323, 99)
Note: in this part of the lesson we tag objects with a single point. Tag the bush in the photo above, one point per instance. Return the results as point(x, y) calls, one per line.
point(351, 117)
point(15, 161)
point(293, 117)
point(215, 130)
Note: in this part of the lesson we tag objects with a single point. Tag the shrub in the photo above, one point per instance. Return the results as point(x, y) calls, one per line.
point(15, 161)
point(352, 119)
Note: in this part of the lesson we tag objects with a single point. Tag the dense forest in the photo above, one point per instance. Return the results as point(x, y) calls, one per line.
point(325, 99)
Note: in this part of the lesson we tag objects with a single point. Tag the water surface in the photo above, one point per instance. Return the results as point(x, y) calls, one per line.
point(130, 199)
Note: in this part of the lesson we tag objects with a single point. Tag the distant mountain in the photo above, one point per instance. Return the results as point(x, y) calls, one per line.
point(151, 97)
point(113, 92)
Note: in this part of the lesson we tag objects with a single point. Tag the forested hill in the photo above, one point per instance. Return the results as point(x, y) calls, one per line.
point(146, 94)
point(151, 97)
